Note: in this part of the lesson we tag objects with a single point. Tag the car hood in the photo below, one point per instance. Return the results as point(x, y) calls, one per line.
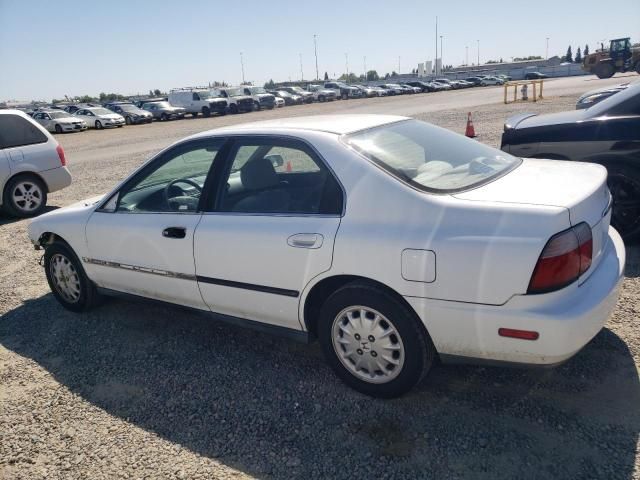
point(530, 120)
point(110, 116)
point(241, 97)
point(67, 120)
point(544, 183)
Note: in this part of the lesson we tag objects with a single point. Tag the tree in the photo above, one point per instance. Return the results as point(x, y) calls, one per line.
point(270, 85)
point(151, 93)
point(569, 56)
point(157, 92)
point(326, 76)
point(578, 58)
point(386, 75)
point(586, 50)
point(372, 75)
point(394, 74)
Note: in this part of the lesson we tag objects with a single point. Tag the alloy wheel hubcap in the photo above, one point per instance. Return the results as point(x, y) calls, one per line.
point(27, 196)
point(368, 344)
point(65, 278)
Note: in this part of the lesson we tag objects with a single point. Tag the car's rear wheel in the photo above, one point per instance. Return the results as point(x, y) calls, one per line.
point(624, 184)
point(128, 120)
point(638, 67)
point(98, 125)
point(194, 115)
point(256, 106)
point(605, 70)
point(67, 279)
point(373, 341)
point(206, 111)
point(25, 196)
point(345, 96)
point(321, 98)
point(233, 108)
point(58, 128)
point(164, 117)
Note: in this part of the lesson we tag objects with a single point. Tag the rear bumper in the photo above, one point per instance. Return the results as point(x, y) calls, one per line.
point(56, 178)
point(566, 320)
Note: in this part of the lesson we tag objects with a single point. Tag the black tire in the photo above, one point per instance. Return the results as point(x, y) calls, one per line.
point(16, 208)
point(233, 108)
point(88, 295)
point(624, 184)
point(98, 125)
point(194, 115)
point(58, 128)
point(128, 120)
point(638, 67)
point(206, 111)
point(605, 70)
point(257, 106)
point(164, 117)
point(345, 96)
point(322, 98)
point(419, 352)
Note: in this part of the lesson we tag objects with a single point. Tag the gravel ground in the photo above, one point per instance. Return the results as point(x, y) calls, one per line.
point(132, 390)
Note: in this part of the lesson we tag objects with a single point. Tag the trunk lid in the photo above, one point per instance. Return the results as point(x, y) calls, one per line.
point(581, 188)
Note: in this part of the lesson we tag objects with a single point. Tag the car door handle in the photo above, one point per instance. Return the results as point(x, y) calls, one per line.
point(174, 232)
point(305, 240)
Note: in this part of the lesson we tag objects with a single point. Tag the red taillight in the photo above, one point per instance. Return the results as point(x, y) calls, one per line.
point(565, 257)
point(60, 150)
point(519, 334)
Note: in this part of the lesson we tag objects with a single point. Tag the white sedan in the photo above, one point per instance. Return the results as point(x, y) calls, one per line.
point(59, 121)
point(99, 118)
point(390, 240)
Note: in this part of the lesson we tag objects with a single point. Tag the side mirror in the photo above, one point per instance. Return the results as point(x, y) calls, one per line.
point(275, 159)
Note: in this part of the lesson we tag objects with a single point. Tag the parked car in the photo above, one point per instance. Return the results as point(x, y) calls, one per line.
point(306, 96)
point(535, 76)
point(477, 81)
point(444, 82)
point(99, 117)
point(607, 133)
point(197, 101)
point(486, 81)
point(32, 165)
point(59, 121)
point(367, 91)
point(164, 111)
point(412, 88)
point(465, 84)
point(505, 78)
point(239, 102)
point(138, 103)
point(75, 108)
point(288, 98)
point(321, 94)
point(279, 102)
point(592, 97)
point(524, 275)
point(379, 91)
point(343, 90)
point(392, 88)
point(423, 86)
point(261, 98)
point(132, 114)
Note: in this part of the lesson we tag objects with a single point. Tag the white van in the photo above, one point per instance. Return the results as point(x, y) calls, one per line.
point(198, 100)
point(32, 164)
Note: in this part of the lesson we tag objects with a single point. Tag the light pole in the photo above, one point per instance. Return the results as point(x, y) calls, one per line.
point(441, 63)
point(364, 60)
point(398, 65)
point(301, 72)
point(242, 66)
point(346, 63)
point(546, 54)
point(315, 47)
point(466, 62)
point(435, 67)
point(478, 51)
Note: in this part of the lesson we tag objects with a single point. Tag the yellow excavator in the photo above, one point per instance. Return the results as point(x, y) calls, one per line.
point(620, 57)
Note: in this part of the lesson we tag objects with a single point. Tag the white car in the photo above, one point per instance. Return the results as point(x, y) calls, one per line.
point(321, 94)
point(391, 240)
point(99, 117)
point(32, 165)
point(279, 102)
point(59, 121)
point(486, 81)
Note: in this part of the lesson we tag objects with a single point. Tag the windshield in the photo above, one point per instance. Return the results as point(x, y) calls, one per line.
point(58, 115)
point(429, 157)
point(235, 92)
point(626, 102)
point(255, 90)
point(283, 94)
point(101, 111)
point(128, 108)
point(161, 104)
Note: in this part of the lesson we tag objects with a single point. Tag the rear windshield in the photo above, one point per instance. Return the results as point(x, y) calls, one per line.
point(16, 131)
point(431, 158)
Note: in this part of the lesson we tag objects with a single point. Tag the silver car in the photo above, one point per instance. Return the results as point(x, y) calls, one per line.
point(59, 121)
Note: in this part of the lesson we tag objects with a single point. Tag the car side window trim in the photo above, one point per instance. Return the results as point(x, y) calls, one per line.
point(213, 197)
point(157, 162)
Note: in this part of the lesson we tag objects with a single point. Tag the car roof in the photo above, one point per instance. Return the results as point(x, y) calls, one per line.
point(338, 124)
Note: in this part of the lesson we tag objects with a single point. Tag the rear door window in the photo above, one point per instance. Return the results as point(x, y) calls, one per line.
point(16, 131)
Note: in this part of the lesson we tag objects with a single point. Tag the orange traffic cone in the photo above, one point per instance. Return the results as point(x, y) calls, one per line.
point(470, 131)
point(289, 166)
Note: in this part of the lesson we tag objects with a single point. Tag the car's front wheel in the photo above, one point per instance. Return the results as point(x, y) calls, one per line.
point(58, 128)
point(373, 341)
point(98, 125)
point(67, 279)
point(25, 196)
